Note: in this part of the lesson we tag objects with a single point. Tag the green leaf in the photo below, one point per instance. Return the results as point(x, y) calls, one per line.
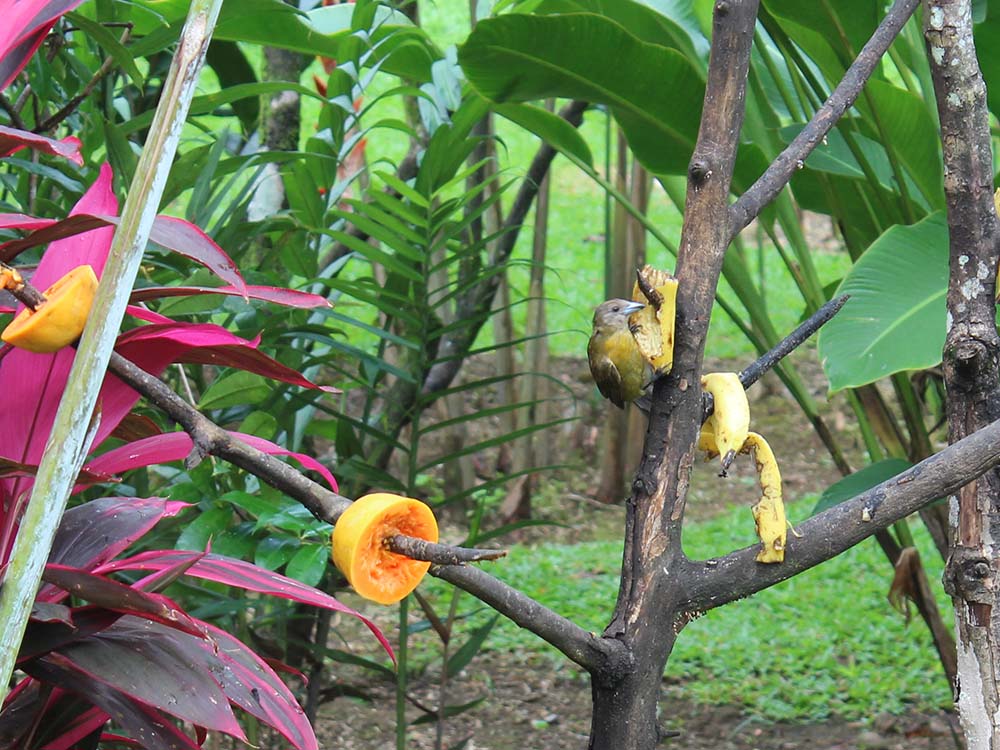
point(859, 481)
point(110, 44)
point(895, 318)
point(274, 551)
point(199, 532)
point(234, 389)
point(585, 56)
point(548, 126)
point(308, 564)
point(468, 650)
point(909, 132)
point(259, 423)
point(651, 24)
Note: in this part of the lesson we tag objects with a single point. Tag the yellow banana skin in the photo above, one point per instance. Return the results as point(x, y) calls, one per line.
point(653, 325)
point(769, 512)
point(730, 422)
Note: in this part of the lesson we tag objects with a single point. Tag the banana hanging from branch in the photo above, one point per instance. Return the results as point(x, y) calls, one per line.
point(726, 433)
point(730, 422)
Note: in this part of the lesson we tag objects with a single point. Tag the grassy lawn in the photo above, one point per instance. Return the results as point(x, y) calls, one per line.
point(823, 643)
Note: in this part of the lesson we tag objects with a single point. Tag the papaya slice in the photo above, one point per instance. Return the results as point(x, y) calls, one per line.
point(59, 320)
point(361, 552)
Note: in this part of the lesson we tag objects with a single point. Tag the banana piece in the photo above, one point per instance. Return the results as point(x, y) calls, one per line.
point(769, 512)
point(730, 422)
point(653, 326)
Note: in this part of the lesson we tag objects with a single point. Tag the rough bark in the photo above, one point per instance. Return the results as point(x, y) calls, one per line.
point(970, 357)
point(647, 616)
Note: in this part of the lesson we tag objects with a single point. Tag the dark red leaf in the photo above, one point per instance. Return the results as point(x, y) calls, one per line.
point(110, 594)
point(275, 294)
point(185, 238)
point(246, 576)
point(42, 638)
point(253, 686)
point(68, 227)
point(152, 664)
point(95, 532)
point(51, 612)
point(12, 139)
point(136, 717)
point(136, 427)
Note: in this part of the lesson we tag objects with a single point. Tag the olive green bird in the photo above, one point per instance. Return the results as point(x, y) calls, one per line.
point(618, 367)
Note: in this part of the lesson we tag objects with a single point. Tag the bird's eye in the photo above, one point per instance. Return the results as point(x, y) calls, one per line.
point(616, 308)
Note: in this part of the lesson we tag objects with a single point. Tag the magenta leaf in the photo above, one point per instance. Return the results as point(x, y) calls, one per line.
point(275, 294)
point(153, 347)
point(12, 139)
point(152, 664)
point(50, 232)
point(22, 221)
point(174, 446)
point(95, 532)
point(24, 26)
point(115, 596)
point(243, 575)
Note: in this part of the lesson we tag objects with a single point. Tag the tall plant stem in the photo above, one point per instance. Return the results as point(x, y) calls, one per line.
point(73, 428)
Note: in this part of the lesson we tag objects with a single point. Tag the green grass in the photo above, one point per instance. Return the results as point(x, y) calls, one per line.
point(823, 643)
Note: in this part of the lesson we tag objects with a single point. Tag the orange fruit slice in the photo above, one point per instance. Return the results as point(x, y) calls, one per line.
point(59, 321)
point(360, 547)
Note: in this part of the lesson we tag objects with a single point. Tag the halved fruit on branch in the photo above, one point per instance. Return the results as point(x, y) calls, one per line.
point(653, 326)
point(60, 319)
point(360, 545)
point(769, 512)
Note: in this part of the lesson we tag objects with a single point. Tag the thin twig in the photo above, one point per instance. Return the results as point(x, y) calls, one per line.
point(440, 554)
point(15, 116)
point(67, 109)
point(780, 171)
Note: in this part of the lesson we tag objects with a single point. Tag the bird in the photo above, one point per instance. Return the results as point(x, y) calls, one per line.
point(618, 367)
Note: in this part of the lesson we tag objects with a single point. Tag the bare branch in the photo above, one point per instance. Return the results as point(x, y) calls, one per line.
point(599, 656)
point(718, 581)
point(441, 554)
point(778, 174)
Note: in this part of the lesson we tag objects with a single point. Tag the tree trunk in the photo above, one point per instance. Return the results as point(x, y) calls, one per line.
point(649, 613)
point(971, 353)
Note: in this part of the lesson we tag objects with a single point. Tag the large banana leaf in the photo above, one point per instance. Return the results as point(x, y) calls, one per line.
point(895, 319)
point(586, 56)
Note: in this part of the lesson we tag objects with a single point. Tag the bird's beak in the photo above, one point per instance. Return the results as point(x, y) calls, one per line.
point(632, 307)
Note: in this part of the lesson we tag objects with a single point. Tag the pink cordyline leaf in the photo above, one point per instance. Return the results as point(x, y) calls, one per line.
point(185, 238)
point(259, 691)
point(243, 575)
point(138, 718)
point(174, 234)
point(25, 24)
point(117, 597)
point(155, 346)
point(175, 446)
point(38, 380)
point(276, 294)
point(95, 532)
point(13, 140)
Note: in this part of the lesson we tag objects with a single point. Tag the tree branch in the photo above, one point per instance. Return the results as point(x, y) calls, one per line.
point(777, 175)
point(712, 583)
point(599, 656)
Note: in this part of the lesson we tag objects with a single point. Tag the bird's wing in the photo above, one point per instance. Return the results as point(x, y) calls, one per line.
point(608, 379)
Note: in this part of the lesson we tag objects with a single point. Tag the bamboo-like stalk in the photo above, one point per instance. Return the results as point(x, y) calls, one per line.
point(72, 431)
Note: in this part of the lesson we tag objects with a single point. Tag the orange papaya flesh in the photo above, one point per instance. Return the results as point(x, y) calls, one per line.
point(59, 321)
point(360, 545)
